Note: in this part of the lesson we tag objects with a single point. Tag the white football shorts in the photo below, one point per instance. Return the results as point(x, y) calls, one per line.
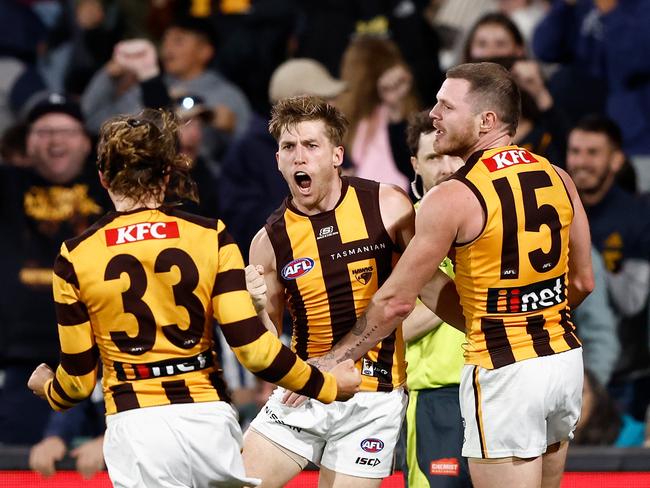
point(520, 409)
point(356, 437)
point(180, 445)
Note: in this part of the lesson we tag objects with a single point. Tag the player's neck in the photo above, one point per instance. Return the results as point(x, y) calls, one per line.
point(489, 140)
point(126, 204)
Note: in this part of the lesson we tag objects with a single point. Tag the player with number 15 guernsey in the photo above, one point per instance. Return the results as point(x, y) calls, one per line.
point(139, 289)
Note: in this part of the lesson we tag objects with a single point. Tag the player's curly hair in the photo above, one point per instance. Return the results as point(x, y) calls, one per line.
point(138, 157)
point(291, 111)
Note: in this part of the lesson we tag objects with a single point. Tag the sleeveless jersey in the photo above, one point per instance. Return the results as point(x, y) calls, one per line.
point(330, 265)
point(512, 279)
point(140, 289)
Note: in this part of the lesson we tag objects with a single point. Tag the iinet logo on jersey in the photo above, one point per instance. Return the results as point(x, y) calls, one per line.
point(141, 232)
point(508, 158)
point(536, 296)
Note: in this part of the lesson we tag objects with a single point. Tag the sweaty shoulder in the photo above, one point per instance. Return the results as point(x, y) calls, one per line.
point(397, 214)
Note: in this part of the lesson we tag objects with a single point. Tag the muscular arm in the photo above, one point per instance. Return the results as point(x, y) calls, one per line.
point(438, 223)
point(261, 253)
point(397, 214)
point(581, 275)
point(420, 322)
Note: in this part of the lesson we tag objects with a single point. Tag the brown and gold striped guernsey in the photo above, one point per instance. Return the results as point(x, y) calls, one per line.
point(331, 264)
point(512, 279)
point(141, 289)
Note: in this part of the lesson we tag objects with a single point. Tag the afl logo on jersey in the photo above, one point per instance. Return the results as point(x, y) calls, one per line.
point(372, 445)
point(297, 268)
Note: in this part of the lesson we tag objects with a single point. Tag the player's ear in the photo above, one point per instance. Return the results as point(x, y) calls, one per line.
point(337, 156)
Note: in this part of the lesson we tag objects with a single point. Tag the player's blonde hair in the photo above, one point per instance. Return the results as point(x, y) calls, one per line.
point(138, 157)
point(288, 112)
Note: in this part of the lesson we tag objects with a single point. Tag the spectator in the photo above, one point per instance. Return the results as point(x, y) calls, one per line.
point(379, 98)
point(58, 197)
point(132, 78)
point(543, 126)
point(251, 187)
point(596, 323)
point(620, 231)
point(196, 118)
point(84, 424)
point(605, 39)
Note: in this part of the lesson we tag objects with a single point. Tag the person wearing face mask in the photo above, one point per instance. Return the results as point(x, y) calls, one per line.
point(544, 125)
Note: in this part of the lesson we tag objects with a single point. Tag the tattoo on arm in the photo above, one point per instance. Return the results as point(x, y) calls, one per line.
point(360, 325)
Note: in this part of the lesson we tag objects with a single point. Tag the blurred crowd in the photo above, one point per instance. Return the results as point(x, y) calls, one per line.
point(68, 65)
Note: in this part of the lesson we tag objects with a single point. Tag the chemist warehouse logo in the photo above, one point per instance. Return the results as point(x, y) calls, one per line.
point(141, 232)
point(536, 296)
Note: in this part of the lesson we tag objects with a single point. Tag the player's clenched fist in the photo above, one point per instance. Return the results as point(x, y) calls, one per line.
point(39, 377)
point(348, 379)
point(256, 285)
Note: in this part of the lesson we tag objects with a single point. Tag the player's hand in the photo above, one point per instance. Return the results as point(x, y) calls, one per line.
point(256, 285)
point(39, 377)
point(43, 455)
point(348, 379)
point(138, 56)
point(90, 457)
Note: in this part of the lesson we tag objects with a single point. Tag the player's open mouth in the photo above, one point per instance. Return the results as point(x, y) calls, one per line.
point(303, 180)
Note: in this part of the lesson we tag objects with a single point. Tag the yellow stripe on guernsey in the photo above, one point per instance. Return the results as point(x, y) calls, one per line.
point(512, 279)
point(331, 264)
point(142, 288)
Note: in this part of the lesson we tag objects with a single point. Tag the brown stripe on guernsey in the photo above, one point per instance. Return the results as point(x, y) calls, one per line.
point(479, 412)
point(51, 397)
point(81, 363)
point(569, 336)
point(541, 337)
point(510, 243)
point(369, 204)
point(336, 277)
point(243, 332)
point(71, 313)
point(224, 238)
point(279, 367)
point(496, 342)
point(124, 397)
point(218, 383)
point(177, 391)
point(314, 384)
point(227, 281)
point(64, 270)
point(281, 244)
point(58, 389)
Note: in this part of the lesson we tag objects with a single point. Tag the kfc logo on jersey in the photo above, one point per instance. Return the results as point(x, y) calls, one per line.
point(141, 232)
point(536, 296)
point(372, 445)
point(508, 158)
point(297, 268)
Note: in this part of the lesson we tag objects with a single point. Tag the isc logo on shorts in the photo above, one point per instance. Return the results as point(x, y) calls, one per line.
point(297, 268)
point(372, 445)
point(507, 158)
point(535, 296)
point(141, 232)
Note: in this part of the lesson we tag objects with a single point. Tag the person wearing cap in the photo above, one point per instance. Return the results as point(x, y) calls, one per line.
point(133, 80)
point(250, 186)
point(57, 197)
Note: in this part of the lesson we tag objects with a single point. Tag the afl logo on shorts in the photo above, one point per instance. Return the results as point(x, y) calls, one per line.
point(297, 268)
point(372, 445)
